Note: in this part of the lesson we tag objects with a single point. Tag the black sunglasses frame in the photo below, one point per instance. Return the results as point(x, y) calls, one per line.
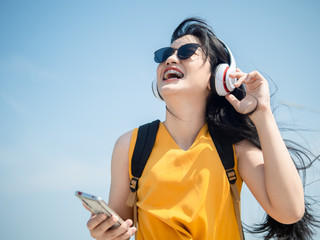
point(183, 52)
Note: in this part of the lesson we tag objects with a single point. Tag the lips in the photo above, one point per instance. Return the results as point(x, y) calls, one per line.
point(172, 73)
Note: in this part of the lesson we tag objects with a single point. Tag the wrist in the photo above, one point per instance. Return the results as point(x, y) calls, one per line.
point(261, 115)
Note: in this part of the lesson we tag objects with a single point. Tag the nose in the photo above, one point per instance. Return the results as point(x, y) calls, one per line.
point(173, 58)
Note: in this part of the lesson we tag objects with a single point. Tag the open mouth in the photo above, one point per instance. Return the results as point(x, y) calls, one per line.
point(171, 74)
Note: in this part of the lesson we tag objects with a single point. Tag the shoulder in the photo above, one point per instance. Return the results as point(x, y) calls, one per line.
point(249, 157)
point(244, 147)
point(124, 140)
point(121, 151)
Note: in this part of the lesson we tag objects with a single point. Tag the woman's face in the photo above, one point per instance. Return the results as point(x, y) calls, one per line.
point(189, 77)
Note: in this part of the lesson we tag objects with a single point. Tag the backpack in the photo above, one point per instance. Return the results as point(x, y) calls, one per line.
point(145, 140)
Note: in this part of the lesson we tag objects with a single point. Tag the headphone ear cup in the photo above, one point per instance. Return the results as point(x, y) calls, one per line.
point(222, 82)
point(155, 90)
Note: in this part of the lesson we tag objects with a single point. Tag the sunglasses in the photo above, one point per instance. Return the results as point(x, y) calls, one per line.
point(184, 52)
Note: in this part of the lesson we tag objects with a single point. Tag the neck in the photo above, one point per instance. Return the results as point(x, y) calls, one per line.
point(184, 120)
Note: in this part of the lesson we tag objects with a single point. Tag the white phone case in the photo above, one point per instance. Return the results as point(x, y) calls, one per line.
point(96, 205)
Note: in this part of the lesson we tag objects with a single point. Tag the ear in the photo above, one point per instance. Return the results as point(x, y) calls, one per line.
point(209, 83)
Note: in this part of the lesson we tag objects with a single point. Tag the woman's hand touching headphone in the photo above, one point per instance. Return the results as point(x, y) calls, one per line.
point(257, 97)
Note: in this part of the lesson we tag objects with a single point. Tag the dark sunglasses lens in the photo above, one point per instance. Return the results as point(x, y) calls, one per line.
point(162, 54)
point(187, 50)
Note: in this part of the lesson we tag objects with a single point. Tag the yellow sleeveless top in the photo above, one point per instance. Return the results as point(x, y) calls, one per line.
point(184, 194)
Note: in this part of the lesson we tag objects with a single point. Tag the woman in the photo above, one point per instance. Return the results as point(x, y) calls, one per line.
point(184, 161)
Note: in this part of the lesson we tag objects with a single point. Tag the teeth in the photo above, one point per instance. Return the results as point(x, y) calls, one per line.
point(172, 72)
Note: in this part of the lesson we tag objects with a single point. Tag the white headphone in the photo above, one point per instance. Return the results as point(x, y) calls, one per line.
point(220, 82)
point(155, 89)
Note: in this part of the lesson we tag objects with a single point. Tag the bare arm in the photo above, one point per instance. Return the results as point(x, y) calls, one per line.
point(99, 226)
point(270, 174)
point(119, 190)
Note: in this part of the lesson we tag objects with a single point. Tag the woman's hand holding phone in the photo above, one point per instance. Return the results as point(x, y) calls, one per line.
point(104, 222)
point(100, 227)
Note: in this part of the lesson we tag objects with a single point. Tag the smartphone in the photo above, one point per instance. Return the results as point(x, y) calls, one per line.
point(96, 205)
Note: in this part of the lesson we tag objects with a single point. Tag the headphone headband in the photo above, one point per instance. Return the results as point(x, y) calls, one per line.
point(232, 59)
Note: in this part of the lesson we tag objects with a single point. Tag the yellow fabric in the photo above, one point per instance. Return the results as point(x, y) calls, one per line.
point(184, 194)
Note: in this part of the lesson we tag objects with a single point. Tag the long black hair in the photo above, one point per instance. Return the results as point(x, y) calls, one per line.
point(231, 127)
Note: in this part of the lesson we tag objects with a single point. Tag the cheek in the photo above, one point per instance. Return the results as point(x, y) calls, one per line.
point(207, 71)
point(195, 57)
point(204, 73)
point(205, 76)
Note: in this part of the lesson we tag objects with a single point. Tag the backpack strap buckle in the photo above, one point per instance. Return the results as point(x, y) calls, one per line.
point(132, 198)
point(134, 184)
point(231, 174)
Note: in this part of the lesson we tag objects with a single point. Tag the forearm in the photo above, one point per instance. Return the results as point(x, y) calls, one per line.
point(283, 183)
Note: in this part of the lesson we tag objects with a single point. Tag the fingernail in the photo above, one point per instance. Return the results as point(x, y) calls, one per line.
point(115, 218)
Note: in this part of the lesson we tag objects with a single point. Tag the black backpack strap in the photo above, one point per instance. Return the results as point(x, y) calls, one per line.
point(226, 154)
point(145, 140)
point(146, 137)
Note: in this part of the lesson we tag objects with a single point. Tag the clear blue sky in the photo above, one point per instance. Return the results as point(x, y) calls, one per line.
point(75, 75)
